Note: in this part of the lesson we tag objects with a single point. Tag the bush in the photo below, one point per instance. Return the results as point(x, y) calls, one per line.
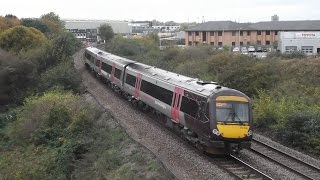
point(293, 55)
point(63, 75)
point(47, 136)
point(270, 110)
point(7, 117)
point(17, 77)
point(302, 129)
point(21, 38)
point(54, 112)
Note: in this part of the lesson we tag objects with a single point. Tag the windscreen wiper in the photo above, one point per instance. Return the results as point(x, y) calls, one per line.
point(235, 115)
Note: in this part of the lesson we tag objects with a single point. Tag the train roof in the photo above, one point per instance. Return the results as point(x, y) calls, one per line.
point(111, 57)
point(194, 85)
point(191, 84)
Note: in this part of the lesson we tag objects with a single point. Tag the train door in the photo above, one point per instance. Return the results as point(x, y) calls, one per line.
point(137, 85)
point(112, 72)
point(100, 65)
point(176, 103)
point(97, 65)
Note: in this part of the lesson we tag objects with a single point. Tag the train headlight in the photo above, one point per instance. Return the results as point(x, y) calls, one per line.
point(216, 132)
point(249, 133)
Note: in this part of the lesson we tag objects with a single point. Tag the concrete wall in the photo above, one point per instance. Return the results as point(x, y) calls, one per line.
point(299, 41)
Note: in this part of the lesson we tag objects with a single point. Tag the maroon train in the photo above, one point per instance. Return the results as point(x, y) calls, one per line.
point(215, 119)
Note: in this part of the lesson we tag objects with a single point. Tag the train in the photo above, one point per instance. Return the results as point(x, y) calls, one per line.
point(213, 118)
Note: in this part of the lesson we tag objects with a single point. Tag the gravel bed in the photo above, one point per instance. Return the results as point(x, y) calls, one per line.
point(179, 157)
point(279, 157)
point(295, 153)
point(271, 169)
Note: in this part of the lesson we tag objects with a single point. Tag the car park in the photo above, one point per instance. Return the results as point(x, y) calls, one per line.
point(244, 50)
point(236, 49)
point(251, 49)
point(259, 49)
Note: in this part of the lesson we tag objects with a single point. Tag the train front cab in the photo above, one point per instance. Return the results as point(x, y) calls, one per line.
point(230, 122)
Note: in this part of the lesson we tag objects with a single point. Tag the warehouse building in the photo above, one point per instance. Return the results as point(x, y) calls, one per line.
point(307, 42)
point(228, 33)
point(87, 30)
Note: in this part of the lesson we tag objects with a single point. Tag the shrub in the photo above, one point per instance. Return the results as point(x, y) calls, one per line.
point(55, 111)
point(63, 75)
point(7, 117)
point(302, 129)
point(17, 77)
point(293, 55)
point(21, 38)
point(271, 111)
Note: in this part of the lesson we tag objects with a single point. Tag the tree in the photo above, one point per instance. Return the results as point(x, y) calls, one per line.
point(8, 22)
point(53, 22)
point(21, 38)
point(106, 32)
point(35, 23)
point(16, 76)
point(64, 45)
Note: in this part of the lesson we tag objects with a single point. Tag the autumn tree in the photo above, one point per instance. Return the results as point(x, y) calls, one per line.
point(53, 22)
point(21, 38)
point(8, 22)
point(106, 32)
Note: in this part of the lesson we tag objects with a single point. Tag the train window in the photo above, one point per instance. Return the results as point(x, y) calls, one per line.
point(97, 62)
point(92, 59)
point(232, 112)
point(88, 56)
point(117, 73)
point(189, 106)
point(157, 92)
point(106, 67)
point(131, 80)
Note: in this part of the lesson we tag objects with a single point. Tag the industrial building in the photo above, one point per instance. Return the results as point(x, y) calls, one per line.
point(307, 42)
point(87, 30)
point(228, 33)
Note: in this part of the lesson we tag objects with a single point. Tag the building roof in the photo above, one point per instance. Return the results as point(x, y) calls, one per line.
point(117, 26)
point(308, 25)
point(191, 84)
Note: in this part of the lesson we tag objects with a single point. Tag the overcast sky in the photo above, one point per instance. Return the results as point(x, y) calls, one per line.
point(166, 10)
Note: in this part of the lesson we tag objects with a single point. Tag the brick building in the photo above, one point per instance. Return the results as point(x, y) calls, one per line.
point(228, 33)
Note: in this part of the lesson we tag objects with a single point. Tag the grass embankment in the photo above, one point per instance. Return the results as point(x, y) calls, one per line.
point(59, 135)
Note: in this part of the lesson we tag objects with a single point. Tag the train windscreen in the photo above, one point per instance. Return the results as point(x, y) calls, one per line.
point(232, 112)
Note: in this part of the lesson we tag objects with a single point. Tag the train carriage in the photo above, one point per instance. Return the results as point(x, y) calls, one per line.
point(109, 67)
point(216, 119)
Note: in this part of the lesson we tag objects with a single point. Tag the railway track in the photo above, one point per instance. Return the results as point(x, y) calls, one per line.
point(293, 164)
point(239, 169)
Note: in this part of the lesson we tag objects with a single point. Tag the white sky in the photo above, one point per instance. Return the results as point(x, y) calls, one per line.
point(166, 10)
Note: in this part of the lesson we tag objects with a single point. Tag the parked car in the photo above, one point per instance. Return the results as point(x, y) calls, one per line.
point(259, 49)
point(251, 49)
point(244, 50)
point(264, 49)
point(236, 49)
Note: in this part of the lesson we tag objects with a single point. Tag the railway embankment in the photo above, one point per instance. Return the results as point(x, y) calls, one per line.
point(180, 158)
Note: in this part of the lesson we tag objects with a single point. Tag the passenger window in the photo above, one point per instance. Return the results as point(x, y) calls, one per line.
point(117, 73)
point(131, 80)
point(189, 106)
point(106, 67)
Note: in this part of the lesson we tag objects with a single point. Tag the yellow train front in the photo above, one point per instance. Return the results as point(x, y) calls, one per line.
point(230, 113)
